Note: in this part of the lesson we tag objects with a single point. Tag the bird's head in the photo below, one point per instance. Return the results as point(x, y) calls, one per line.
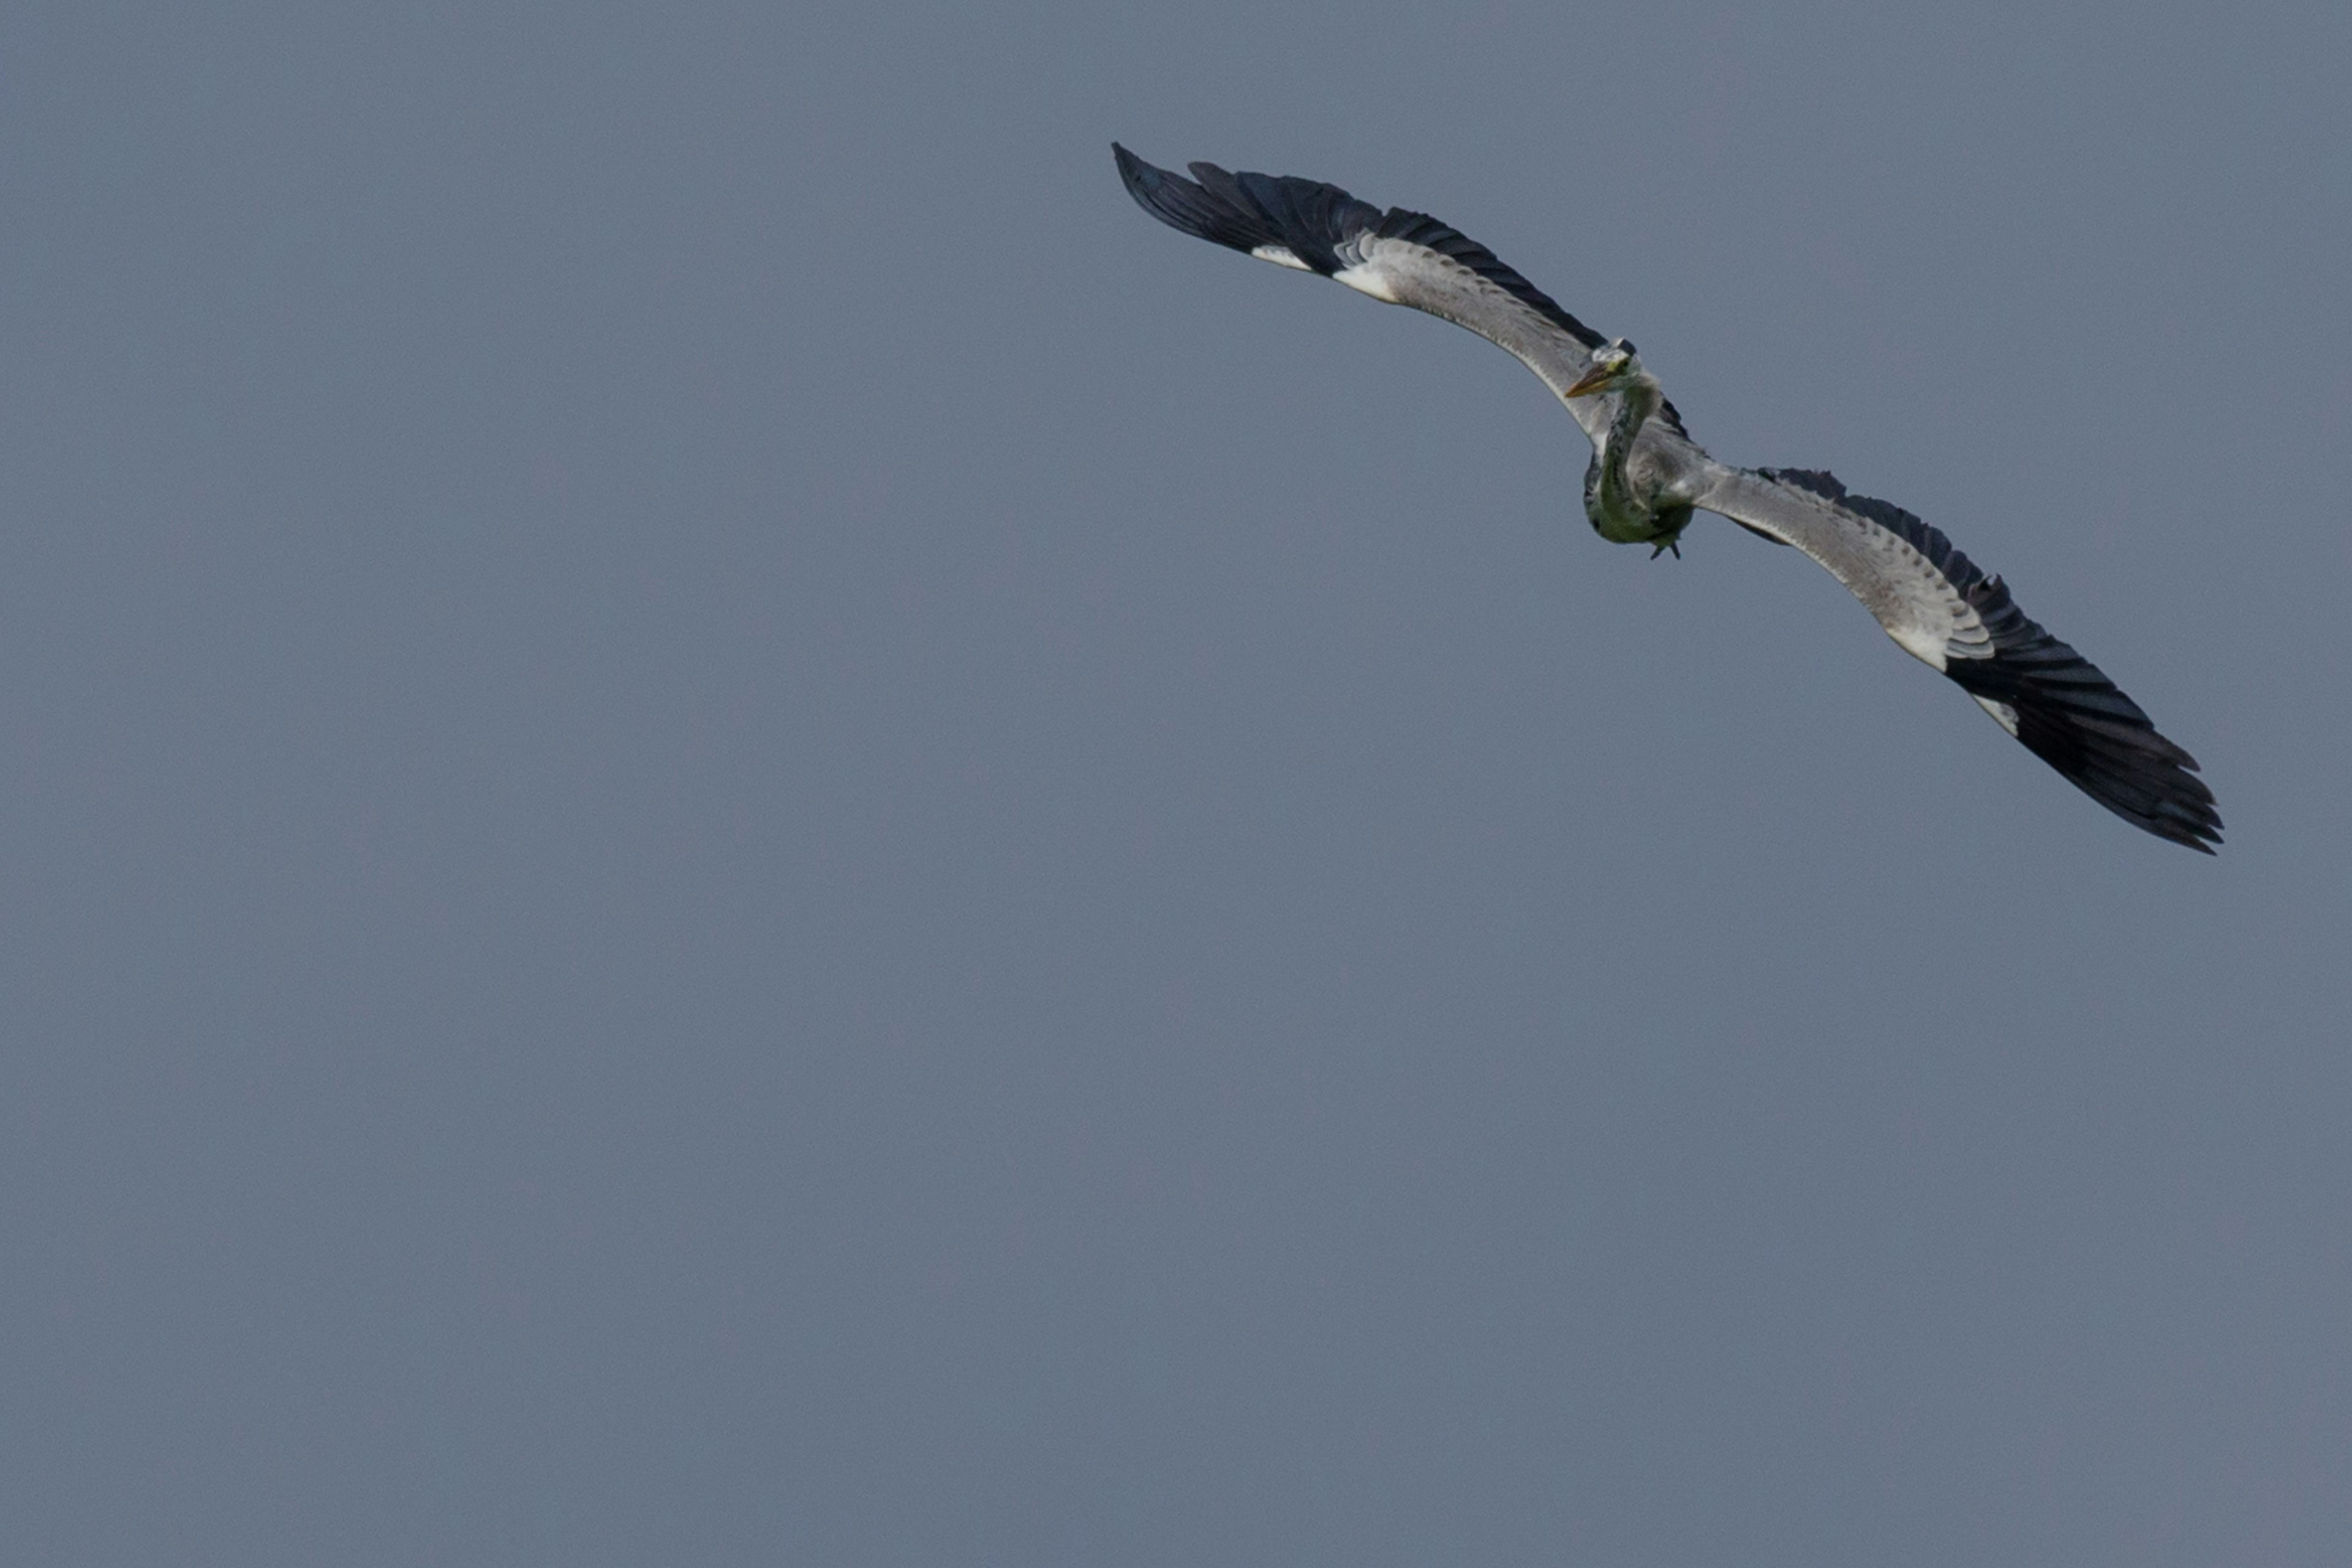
point(1615, 366)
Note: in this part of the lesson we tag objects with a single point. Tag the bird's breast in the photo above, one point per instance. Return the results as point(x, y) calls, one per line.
point(1642, 503)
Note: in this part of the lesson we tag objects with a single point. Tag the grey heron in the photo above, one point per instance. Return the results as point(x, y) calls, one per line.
point(1646, 478)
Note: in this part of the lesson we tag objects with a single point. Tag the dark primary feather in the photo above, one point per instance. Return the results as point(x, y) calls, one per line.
point(2068, 714)
point(1312, 220)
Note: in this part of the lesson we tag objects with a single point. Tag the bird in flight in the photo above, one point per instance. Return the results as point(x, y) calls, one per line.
point(1647, 477)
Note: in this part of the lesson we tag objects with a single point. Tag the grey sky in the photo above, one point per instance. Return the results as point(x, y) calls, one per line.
point(739, 829)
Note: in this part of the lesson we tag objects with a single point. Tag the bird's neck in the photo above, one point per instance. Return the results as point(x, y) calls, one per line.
point(1635, 404)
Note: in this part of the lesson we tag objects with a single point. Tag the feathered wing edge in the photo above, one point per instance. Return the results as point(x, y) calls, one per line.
point(2039, 689)
point(1310, 221)
point(2059, 704)
point(1402, 256)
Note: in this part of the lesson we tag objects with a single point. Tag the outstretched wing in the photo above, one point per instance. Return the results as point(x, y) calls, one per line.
point(1941, 609)
point(1931, 599)
point(1403, 257)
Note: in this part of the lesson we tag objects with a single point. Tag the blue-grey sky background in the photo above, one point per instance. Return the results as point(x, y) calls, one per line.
point(735, 828)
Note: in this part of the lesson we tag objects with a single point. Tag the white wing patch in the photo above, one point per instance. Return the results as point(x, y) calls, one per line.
point(1919, 608)
point(2002, 713)
point(1368, 278)
point(1401, 272)
point(1281, 256)
point(1939, 626)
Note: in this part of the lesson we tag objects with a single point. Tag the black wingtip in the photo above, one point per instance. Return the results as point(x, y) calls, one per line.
point(1310, 220)
point(2073, 717)
point(1131, 167)
point(2061, 706)
point(1223, 218)
point(2068, 714)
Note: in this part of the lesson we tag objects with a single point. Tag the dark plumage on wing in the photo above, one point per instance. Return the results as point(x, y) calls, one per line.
point(1312, 220)
point(1647, 475)
point(1250, 212)
point(2067, 711)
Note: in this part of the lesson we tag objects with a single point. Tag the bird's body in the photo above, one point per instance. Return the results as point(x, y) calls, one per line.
point(1647, 477)
point(1642, 483)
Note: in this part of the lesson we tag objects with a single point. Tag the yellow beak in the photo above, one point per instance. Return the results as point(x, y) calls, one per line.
point(1591, 381)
